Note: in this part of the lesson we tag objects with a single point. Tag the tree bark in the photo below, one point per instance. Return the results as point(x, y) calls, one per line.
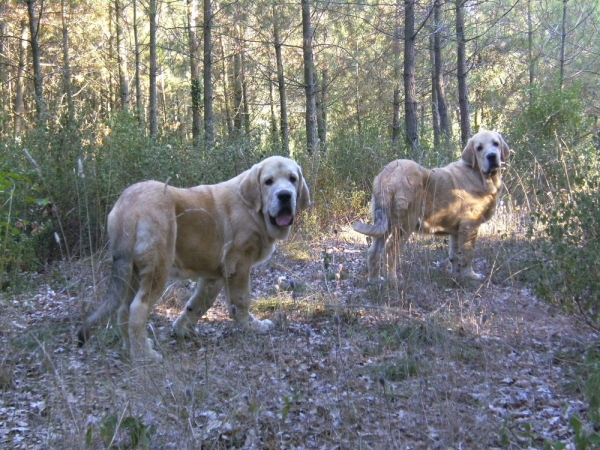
point(563, 40)
point(209, 134)
point(283, 121)
point(312, 139)
point(410, 91)
point(196, 88)
point(463, 90)
point(122, 58)
point(435, 114)
point(237, 92)
point(322, 109)
point(67, 67)
point(397, 58)
point(138, 82)
point(18, 126)
point(4, 71)
point(38, 77)
point(530, 52)
point(439, 85)
point(228, 117)
point(152, 103)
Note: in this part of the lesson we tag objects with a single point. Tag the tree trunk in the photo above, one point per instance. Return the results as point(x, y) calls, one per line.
point(530, 51)
point(138, 82)
point(209, 134)
point(396, 96)
point(283, 121)
point(67, 68)
point(152, 104)
point(439, 85)
point(435, 114)
point(237, 92)
point(20, 80)
point(122, 58)
point(38, 77)
point(563, 40)
point(410, 90)
point(463, 91)
point(322, 109)
point(196, 89)
point(4, 71)
point(245, 102)
point(228, 117)
point(312, 139)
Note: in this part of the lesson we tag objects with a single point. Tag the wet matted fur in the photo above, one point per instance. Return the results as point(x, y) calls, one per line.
point(453, 200)
point(213, 233)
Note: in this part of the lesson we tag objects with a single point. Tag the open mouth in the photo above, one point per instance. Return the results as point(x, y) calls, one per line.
point(283, 219)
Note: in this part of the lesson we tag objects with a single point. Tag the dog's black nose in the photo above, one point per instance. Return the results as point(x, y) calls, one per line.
point(284, 196)
point(492, 157)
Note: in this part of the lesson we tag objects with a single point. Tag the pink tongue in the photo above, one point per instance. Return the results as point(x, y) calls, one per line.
point(284, 220)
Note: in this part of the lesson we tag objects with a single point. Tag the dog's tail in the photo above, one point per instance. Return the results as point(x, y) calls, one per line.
point(380, 217)
point(120, 283)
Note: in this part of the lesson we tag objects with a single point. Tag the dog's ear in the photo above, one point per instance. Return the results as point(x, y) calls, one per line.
point(303, 198)
point(250, 188)
point(504, 149)
point(468, 154)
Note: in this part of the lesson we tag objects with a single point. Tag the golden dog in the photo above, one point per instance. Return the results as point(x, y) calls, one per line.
point(453, 200)
point(214, 233)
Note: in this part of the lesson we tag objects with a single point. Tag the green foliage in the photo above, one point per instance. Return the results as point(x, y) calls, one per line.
point(568, 254)
point(140, 435)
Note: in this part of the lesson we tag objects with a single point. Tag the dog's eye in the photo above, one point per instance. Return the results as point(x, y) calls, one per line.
point(269, 181)
point(479, 147)
point(496, 143)
point(293, 179)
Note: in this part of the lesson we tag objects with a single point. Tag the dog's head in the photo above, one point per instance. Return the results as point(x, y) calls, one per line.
point(276, 187)
point(486, 151)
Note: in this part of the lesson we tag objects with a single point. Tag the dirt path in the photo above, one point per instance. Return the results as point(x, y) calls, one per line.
point(433, 364)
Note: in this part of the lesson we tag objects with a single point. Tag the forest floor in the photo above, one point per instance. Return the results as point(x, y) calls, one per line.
point(435, 363)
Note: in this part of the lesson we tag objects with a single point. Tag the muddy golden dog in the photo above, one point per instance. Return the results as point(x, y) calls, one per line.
point(453, 200)
point(213, 233)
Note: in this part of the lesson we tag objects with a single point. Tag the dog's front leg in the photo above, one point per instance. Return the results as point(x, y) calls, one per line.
point(237, 291)
point(461, 252)
point(203, 298)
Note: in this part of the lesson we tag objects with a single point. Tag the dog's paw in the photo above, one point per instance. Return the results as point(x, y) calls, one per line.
point(260, 326)
point(472, 275)
point(183, 328)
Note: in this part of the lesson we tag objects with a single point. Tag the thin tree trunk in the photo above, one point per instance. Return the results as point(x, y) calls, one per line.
point(20, 80)
point(563, 40)
point(196, 88)
point(209, 134)
point(237, 91)
point(410, 90)
point(283, 121)
point(4, 96)
point(245, 102)
point(441, 103)
point(463, 90)
point(138, 82)
point(152, 105)
point(397, 58)
point(322, 109)
point(435, 114)
point(530, 51)
point(312, 139)
point(38, 77)
point(274, 137)
point(228, 117)
point(67, 67)
point(122, 58)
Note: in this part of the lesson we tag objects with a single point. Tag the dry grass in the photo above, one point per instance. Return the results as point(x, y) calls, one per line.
point(434, 364)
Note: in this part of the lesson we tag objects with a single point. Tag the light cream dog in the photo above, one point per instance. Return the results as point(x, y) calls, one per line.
point(214, 233)
point(453, 200)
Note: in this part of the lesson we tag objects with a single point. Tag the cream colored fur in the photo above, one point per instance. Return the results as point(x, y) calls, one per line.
point(453, 200)
point(212, 233)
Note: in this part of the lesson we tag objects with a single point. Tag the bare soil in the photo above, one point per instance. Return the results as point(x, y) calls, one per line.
point(435, 363)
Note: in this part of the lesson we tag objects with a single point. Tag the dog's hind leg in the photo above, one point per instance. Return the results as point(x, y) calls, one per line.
point(203, 298)
point(374, 258)
point(123, 312)
point(393, 251)
point(152, 285)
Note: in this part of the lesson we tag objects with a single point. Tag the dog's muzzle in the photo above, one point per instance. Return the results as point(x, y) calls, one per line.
point(285, 214)
point(493, 163)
